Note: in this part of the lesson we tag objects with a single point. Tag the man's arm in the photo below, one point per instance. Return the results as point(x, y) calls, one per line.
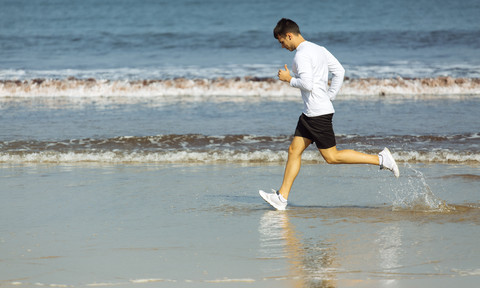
point(338, 73)
point(304, 81)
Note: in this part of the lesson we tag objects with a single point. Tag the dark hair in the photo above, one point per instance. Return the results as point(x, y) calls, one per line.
point(285, 26)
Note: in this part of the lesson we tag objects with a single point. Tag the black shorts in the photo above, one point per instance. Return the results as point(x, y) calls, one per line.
point(319, 129)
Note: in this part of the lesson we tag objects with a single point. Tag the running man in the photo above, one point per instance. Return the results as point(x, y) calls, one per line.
point(310, 68)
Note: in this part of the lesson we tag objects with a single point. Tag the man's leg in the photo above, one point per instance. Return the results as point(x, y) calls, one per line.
point(334, 156)
point(295, 151)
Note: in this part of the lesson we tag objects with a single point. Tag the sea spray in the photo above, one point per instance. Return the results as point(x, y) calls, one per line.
point(412, 192)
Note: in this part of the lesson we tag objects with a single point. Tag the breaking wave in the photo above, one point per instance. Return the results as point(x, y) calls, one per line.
point(195, 148)
point(238, 86)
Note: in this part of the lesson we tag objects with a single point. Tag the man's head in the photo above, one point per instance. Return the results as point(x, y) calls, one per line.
point(288, 34)
point(285, 26)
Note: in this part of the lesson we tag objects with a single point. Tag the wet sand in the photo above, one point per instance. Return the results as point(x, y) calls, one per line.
point(178, 225)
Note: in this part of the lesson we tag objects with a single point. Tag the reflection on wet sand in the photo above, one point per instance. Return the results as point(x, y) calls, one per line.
point(316, 262)
point(372, 255)
point(310, 265)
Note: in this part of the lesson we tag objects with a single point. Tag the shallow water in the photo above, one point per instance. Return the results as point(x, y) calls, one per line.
point(151, 130)
point(196, 225)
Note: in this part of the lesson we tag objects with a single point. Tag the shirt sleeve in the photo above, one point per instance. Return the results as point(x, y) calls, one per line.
point(304, 76)
point(338, 74)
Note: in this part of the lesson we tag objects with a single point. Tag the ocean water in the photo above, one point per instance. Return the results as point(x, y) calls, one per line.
point(135, 136)
point(127, 39)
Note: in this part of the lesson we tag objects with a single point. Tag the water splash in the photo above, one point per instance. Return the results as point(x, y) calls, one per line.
point(412, 193)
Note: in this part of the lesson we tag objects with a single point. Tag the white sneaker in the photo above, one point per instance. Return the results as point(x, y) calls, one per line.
point(387, 162)
point(274, 199)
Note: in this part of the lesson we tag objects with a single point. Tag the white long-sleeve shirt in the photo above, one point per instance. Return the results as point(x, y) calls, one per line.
point(311, 65)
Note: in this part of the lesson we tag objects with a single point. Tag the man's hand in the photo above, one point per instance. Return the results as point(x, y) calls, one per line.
point(284, 75)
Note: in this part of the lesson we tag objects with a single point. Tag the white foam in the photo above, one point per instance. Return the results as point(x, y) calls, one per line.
point(440, 156)
point(160, 157)
point(224, 156)
point(240, 87)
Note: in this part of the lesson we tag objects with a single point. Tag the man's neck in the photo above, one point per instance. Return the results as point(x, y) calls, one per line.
point(299, 40)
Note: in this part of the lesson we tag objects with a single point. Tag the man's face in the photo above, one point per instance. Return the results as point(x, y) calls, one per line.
point(287, 42)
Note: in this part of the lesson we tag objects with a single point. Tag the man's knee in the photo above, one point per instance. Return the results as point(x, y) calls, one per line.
point(297, 146)
point(294, 150)
point(331, 159)
point(330, 156)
